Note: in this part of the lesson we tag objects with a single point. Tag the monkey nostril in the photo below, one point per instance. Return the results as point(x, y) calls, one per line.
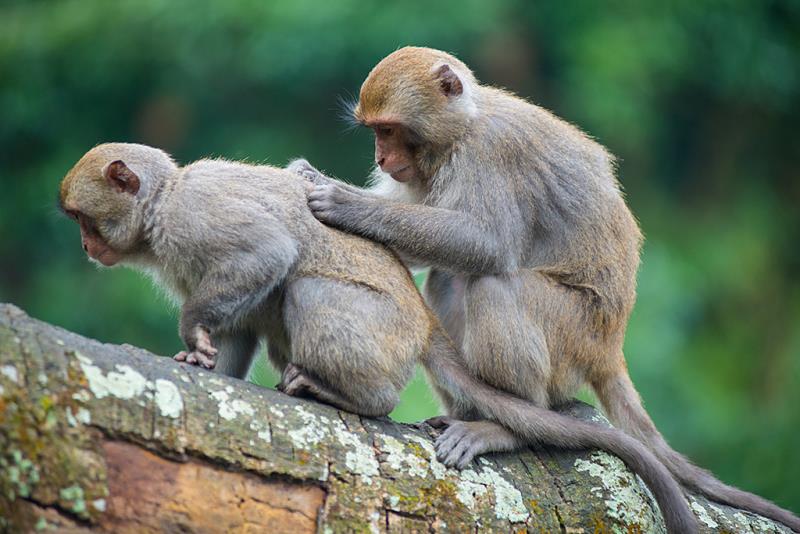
point(380, 162)
point(85, 248)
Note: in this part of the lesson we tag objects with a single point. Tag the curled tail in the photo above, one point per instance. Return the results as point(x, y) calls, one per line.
point(546, 427)
point(624, 407)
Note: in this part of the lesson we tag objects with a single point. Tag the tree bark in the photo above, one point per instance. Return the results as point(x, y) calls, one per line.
point(106, 438)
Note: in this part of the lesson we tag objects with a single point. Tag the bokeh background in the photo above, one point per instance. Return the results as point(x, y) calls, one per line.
point(699, 100)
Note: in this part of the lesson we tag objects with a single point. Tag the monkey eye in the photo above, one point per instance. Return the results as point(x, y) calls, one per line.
point(384, 130)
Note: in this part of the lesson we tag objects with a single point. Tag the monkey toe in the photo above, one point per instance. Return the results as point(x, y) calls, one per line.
point(298, 386)
point(181, 356)
point(197, 357)
point(290, 372)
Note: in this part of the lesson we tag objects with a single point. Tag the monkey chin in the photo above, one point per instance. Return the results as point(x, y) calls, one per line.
point(106, 258)
point(403, 175)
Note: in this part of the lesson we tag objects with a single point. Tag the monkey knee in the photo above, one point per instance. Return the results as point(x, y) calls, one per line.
point(379, 404)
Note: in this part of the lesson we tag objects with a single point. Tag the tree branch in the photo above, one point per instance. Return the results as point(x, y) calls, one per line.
point(106, 438)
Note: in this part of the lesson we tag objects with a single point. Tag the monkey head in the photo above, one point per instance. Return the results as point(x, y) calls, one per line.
point(417, 101)
point(104, 193)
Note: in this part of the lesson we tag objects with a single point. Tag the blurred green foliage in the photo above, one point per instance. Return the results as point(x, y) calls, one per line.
point(698, 99)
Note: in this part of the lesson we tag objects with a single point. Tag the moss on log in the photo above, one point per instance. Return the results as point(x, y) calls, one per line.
point(106, 438)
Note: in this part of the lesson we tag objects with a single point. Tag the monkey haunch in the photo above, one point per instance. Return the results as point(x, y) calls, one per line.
point(239, 248)
point(533, 254)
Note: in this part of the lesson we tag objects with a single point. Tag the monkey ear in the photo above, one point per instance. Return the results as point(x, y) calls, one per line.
point(449, 82)
point(121, 177)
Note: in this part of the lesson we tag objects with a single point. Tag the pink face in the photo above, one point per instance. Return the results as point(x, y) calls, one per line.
point(93, 243)
point(393, 153)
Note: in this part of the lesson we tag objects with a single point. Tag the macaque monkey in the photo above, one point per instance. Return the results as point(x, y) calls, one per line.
point(532, 249)
point(238, 247)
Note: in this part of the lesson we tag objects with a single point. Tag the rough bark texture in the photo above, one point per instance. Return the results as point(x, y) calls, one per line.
point(106, 438)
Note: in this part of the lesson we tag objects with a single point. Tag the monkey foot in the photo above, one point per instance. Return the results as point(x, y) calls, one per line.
point(297, 384)
point(461, 442)
point(195, 357)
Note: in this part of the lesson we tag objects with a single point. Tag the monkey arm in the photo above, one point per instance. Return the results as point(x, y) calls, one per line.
point(232, 288)
point(450, 239)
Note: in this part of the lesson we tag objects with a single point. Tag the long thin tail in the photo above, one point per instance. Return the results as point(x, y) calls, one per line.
point(546, 427)
point(624, 407)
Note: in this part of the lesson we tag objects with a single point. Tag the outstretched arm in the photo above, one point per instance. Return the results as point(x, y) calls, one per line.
point(448, 239)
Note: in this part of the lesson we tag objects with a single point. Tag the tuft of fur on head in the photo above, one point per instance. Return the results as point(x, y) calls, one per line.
point(404, 88)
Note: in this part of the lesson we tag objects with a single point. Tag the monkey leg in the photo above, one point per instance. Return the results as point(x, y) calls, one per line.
point(349, 342)
point(504, 344)
point(236, 352)
point(444, 293)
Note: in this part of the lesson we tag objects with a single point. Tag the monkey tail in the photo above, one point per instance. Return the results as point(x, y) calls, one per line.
point(624, 407)
point(545, 427)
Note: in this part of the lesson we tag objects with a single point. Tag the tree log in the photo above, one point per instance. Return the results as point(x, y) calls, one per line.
point(107, 438)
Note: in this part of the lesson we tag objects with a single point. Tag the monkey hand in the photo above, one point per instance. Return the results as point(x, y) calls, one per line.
point(303, 168)
point(201, 351)
point(462, 441)
point(333, 204)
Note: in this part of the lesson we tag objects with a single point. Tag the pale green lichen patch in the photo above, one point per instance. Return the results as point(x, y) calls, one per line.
point(438, 469)
point(168, 398)
point(20, 472)
point(360, 457)
point(74, 497)
point(10, 372)
point(399, 460)
point(624, 496)
point(229, 408)
point(508, 503)
point(312, 431)
point(81, 416)
point(126, 383)
point(702, 514)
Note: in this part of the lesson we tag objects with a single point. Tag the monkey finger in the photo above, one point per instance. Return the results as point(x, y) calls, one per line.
point(206, 347)
point(199, 358)
point(466, 459)
point(453, 457)
point(447, 441)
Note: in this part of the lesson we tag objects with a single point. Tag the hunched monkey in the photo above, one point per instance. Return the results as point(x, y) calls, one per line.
point(533, 251)
point(237, 245)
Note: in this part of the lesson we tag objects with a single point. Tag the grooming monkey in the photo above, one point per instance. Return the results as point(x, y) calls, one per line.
point(533, 251)
point(239, 248)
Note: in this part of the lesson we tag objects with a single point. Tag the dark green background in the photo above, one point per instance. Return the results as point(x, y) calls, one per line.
point(698, 99)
